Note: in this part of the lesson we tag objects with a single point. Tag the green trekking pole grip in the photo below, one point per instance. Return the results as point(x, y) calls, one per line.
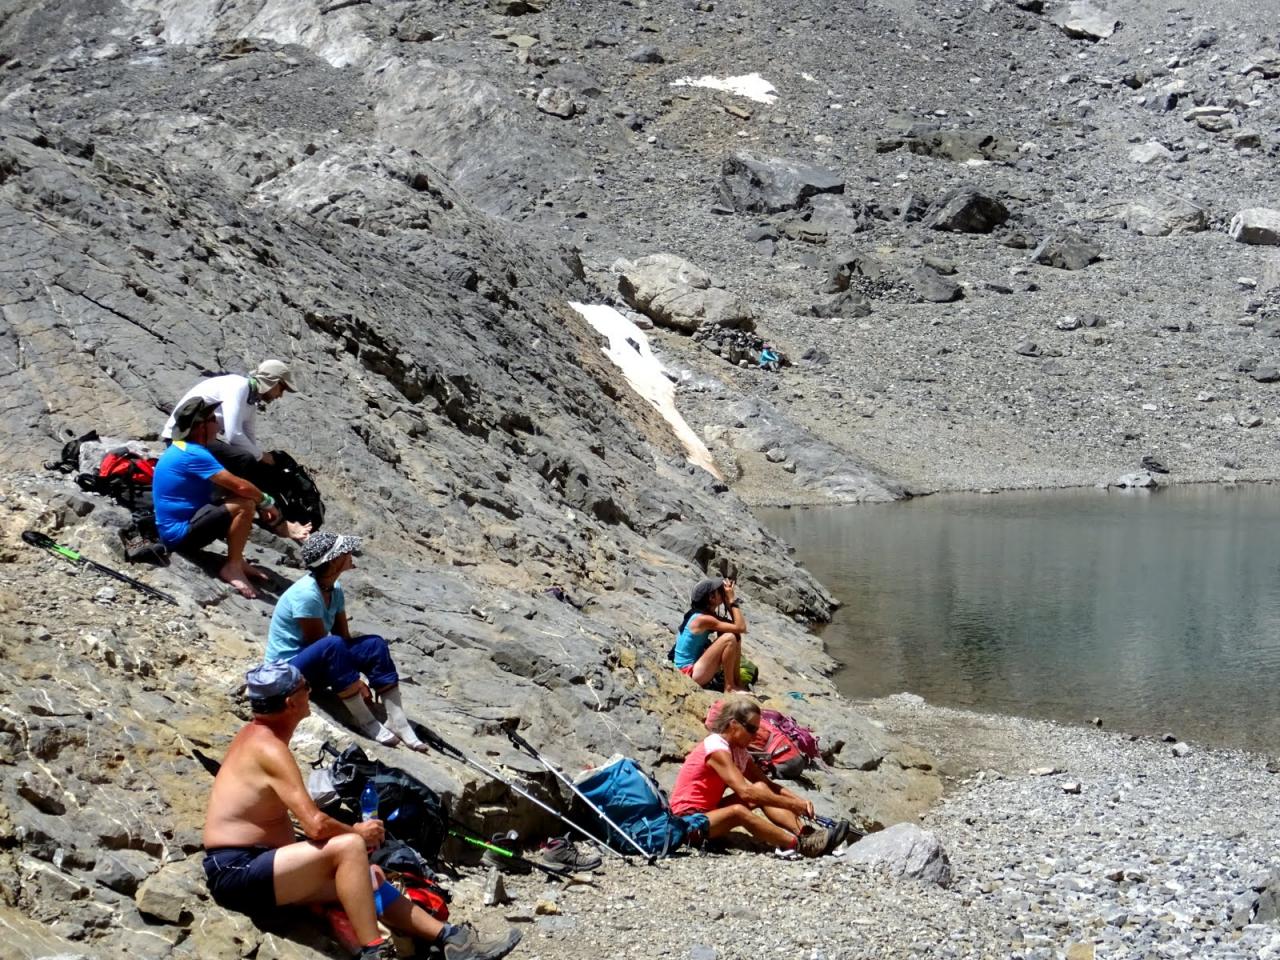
point(45, 542)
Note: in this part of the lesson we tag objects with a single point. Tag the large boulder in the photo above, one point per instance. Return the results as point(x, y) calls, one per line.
point(675, 293)
point(1158, 216)
point(904, 850)
point(1256, 225)
point(1084, 21)
point(774, 184)
point(1066, 251)
point(968, 212)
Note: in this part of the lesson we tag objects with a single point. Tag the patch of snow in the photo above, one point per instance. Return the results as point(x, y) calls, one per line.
point(629, 350)
point(752, 86)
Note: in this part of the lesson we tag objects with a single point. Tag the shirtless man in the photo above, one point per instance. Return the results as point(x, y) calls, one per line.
point(253, 863)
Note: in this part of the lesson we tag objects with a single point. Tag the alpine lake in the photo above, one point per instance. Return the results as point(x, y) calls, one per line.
point(1155, 612)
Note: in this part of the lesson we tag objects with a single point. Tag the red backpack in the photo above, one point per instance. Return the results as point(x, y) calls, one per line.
point(803, 737)
point(774, 752)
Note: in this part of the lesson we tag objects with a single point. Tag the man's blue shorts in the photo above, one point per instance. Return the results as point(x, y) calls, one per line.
point(242, 878)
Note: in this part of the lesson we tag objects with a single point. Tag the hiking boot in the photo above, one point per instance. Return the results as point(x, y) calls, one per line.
point(563, 855)
point(383, 950)
point(507, 840)
point(814, 841)
point(464, 944)
point(839, 833)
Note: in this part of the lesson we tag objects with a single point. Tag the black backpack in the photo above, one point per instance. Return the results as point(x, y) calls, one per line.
point(409, 810)
point(297, 495)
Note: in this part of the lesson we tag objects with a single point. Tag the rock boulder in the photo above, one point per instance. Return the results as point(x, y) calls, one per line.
point(968, 212)
point(774, 184)
point(675, 293)
point(1256, 225)
point(1084, 21)
point(904, 850)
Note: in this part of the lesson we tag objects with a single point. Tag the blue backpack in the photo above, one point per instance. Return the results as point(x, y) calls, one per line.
point(634, 801)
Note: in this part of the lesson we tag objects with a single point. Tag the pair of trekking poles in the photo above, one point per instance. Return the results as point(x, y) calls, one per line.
point(439, 744)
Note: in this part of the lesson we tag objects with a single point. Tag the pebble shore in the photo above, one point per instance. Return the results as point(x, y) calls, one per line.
point(1156, 856)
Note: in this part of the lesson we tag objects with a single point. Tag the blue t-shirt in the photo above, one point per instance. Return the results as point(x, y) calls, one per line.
point(181, 486)
point(302, 601)
point(690, 645)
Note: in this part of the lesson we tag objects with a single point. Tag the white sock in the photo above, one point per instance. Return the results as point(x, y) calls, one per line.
point(397, 720)
point(367, 723)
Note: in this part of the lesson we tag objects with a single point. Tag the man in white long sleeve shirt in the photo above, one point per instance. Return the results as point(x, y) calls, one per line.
point(236, 446)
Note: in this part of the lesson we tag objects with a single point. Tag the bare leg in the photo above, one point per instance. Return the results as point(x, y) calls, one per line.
point(725, 819)
point(729, 664)
point(337, 869)
point(292, 530)
point(233, 571)
point(783, 817)
point(407, 917)
point(713, 657)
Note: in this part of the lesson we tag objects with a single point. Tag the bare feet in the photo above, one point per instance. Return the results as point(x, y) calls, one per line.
point(239, 580)
point(256, 573)
point(294, 531)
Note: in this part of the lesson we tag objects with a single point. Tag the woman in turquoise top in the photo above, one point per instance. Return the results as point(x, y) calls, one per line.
point(697, 655)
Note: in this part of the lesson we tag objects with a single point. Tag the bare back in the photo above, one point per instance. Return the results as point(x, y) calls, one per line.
point(244, 808)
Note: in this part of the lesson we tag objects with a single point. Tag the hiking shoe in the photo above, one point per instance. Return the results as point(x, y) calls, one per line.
point(563, 855)
point(465, 944)
point(814, 841)
point(507, 840)
point(384, 950)
point(839, 833)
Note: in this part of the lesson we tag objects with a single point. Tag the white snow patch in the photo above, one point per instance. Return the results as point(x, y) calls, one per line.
point(629, 350)
point(752, 86)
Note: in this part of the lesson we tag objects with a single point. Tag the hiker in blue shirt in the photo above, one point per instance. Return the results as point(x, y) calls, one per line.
point(309, 629)
point(186, 480)
point(769, 358)
point(698, 656)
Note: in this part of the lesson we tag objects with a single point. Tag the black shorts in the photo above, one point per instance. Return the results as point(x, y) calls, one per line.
point(242, 878)
point(211, 522)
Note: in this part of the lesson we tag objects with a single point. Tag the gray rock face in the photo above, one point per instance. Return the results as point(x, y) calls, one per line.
point(904, 850)
point(1256, 225)
point(969, 212)
point(1084, 21)
point(773, 184)
point(1066, 251)
point(675, 293)
point(1159, 216)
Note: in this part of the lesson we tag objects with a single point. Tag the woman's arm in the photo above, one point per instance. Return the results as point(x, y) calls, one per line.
point(312, 629)
point(759, 793)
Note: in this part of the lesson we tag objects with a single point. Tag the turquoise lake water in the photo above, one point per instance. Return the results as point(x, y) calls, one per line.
point(1157, 612)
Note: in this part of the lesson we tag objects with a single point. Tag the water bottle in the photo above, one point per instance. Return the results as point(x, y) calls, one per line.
point(369, 801)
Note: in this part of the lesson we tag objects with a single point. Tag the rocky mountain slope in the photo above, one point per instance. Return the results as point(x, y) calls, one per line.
point(402, 197)
point(185, 202)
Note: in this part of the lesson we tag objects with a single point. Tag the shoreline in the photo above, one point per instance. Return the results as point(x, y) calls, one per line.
point(1123, 851)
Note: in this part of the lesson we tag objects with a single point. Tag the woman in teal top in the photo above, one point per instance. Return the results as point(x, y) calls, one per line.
point(697, 655)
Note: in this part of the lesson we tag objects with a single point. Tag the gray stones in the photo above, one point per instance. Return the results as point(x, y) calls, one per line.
point(958, 146)
point(968, 212)
point(1256, 225)
point(847, 305)
point(172, 894)
point(1084, 21)
point(675, 293)
point(1159, 216)
point(1150, 152)
point(931, 287)
point(904, 850)
point(1066, 251)
point(1141, 480)
point(556, 101)
point(1265, 65)
point(1266, 373)
point(646, 53)
point(1028, 348)
point(772, 184)
point(1180, 749)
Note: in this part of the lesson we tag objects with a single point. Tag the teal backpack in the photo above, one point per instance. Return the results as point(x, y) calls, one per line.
point(633, 800)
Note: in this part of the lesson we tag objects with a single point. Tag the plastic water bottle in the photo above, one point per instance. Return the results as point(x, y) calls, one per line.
point(369, 802)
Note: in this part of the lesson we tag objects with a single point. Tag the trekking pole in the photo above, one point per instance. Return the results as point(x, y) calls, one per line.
point(509, 854)
point(523, 744)
point(439, 744)
point(45, 542)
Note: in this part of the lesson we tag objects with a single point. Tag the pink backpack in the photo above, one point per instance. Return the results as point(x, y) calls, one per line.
point(802, 737)
point(773, 751)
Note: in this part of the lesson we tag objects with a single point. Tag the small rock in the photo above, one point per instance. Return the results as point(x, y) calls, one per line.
point(1155, 466)
point(1071, 786)
point(646, 54)
point(1084, 21)
point(1028, 348)
point(1043, 771)
point(775, 455)
point(556, 101)
point(1066, 251)
point(1150, 152)
point(546, 908)
point(1180, 749)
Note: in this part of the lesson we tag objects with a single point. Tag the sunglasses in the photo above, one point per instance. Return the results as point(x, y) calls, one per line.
point(751, 728)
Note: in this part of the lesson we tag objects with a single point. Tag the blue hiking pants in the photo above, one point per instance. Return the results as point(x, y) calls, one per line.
point(332, 663)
